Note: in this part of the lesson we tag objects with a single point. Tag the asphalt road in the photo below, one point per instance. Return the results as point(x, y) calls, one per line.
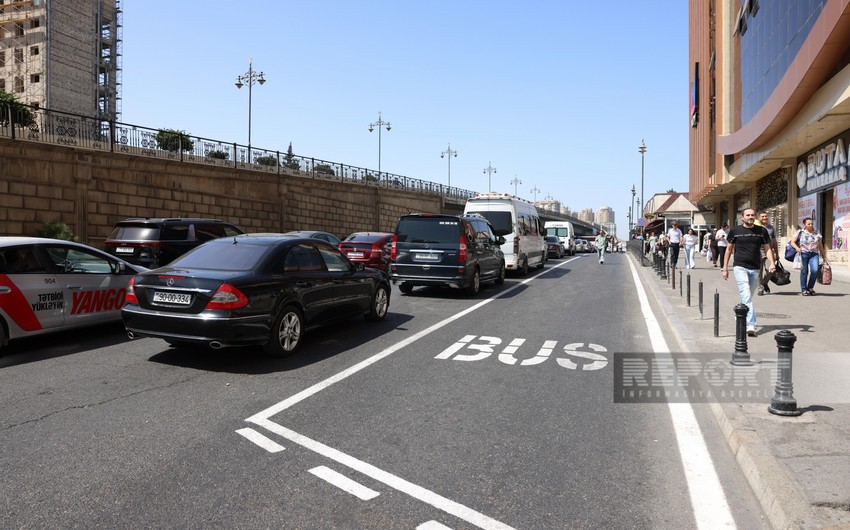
point(493, 411)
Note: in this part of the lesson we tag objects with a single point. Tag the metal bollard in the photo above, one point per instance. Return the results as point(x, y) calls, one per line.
point(741, 357)
point(688, 291)
point(673, 275)
point(700, 300)
point(680, 284)
point(783, 402)
point(716, 313)
point(663, 268)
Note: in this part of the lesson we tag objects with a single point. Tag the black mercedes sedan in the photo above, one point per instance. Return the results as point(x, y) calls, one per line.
point(263, 289)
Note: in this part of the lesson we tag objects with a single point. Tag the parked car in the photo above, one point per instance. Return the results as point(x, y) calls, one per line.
point(154, 242)
point(447, 251)
point(554, 247)
point(324, 236)
point(49, 285)
point(582, 246)
point(369, 248)
point(263, 289)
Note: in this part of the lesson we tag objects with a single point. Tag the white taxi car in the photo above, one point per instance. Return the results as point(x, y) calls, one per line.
point(49, 285)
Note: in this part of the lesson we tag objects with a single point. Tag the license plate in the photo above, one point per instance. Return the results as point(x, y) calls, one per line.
point(355, 254)
point(172, 298)
point(427, 257)
point(124, 250)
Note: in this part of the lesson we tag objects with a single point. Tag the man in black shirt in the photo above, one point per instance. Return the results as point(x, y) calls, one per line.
point(746, 242)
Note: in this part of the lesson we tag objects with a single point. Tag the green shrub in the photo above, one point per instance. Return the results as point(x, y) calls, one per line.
point(268, 160)
point(55, 231)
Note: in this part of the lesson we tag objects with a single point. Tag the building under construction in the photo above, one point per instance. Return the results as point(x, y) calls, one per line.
point(63, 55)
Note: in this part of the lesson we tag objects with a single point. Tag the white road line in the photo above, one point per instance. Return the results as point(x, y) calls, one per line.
point(432, 525)
point(397, 483)
point(344, 483)
point(711, 509)
point(318, 387)
point(266, 443)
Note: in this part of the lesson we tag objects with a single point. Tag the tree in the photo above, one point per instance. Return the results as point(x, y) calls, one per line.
point(324, 169)
point(289, 160)
point(174, 140)
point(55, 231)
point(21, 115)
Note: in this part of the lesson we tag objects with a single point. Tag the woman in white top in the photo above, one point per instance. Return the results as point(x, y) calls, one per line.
point(690, 241)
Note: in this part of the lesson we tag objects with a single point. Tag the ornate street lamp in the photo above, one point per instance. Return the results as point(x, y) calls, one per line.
point(489, 170)
point(380, 123)
point(449, 153)
point(249, 78)
point(515, 182)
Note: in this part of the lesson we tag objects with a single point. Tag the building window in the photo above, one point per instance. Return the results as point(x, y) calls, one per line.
point(19, 55)
point(19, 29)
point(2, 57)
point(33, 50)
point(35, 78)
point(2, 84)
point(34, 23)
point(19, 84)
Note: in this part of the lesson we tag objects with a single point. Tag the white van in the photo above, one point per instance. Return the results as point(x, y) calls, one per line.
point(517, 220)
point(565, 232)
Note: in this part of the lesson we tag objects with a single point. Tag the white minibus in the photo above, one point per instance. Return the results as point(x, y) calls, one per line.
point(517, 220)
point(565, 232)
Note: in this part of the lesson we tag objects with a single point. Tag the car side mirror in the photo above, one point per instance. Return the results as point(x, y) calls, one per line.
point(121, 267)
point(500, 240)
point(358, 267)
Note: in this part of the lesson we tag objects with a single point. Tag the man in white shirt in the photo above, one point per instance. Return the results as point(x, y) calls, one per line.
point(722, 242)
point(674, 235)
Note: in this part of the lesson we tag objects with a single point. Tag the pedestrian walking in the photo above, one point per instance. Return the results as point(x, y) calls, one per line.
point(722, 238)
point(712, 245)
point(690, 241)
point(653, 241)
point(746, 242)
point(764, 275)
point(809, 243)
point(674, 236)
point(601, 245)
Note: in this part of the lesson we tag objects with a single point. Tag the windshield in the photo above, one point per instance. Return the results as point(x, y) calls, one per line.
point(560, 232)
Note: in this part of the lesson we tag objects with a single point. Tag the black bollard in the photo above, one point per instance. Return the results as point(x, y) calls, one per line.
point(680, 284)
point(716, 313)
point(783, 402)
point(741, 357)
point(673, 276)
point(688, 291)
point(700, 300)
point(663, 268)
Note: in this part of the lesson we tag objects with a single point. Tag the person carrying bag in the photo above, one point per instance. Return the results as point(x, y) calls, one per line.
point(810, 249)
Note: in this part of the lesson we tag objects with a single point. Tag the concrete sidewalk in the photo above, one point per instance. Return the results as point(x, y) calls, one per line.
point(798, 467)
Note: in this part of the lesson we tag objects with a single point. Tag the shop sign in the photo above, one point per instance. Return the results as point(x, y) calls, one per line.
point(823, 168)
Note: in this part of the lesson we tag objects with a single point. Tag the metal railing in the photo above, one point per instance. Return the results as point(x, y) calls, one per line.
point(22, 122)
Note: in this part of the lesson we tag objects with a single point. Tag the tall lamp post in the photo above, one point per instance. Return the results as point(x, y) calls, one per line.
point(642, 150)
point(515, 182)
point(449, 153)
point(489, 170)
point(632, 214)
point(249, 78)
point(535, 191)
point(380, 123)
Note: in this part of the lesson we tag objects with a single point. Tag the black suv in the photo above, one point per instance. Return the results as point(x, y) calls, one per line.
point(446, 250)
point(154, 242)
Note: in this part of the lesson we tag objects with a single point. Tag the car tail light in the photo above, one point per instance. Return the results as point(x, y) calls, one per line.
point(516, 245)
point(393, 247)
point(131, 297)
point(227, 297)
point(462, 252)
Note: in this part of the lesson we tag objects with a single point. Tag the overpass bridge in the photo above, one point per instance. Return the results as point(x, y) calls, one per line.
point(583, 229)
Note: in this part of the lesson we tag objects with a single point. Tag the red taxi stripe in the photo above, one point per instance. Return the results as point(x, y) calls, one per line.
point(16, 306)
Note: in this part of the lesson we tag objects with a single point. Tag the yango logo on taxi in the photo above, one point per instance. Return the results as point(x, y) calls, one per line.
point(48, 285)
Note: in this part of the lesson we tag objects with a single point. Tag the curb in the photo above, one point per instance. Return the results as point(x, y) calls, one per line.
point(778, 493)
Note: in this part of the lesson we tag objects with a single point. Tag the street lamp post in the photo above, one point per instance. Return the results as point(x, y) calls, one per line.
point(449, 153)
point(642, 150)
point(632, 214)
point(515, 181)
point(535, 191)
point(249, 78)
point(489, 170)
point(380, 123)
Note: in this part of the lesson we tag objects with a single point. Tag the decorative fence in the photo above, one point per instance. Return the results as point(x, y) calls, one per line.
point(21, 122)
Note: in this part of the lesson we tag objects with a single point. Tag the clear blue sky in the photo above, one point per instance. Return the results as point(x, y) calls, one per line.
point(555, 93)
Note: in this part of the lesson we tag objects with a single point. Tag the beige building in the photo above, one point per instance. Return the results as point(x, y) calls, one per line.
point(62, 54)
point(605, 215)
point(586, 215)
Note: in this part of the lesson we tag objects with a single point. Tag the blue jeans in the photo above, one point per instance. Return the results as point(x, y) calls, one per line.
point(809, 272)
point(747, 280)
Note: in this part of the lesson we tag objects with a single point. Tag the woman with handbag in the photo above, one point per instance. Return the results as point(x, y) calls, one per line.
point(809, 245)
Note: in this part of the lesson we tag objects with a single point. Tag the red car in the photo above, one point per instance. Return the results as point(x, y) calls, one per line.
point(372, 249)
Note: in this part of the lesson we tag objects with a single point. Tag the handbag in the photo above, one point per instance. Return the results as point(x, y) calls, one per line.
point(825, 273)
point(790, 253)
point(780, 275)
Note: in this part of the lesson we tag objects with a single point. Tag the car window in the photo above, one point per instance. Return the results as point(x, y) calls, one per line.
point(231, 231)
point(334, 260)
point(307, 258)
point(227, 256)
point(72, 260)
point(174, 233)
point(206, 232)
point(135, 233)
point(428, 230)
point(501, 221)
point(20, 260)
